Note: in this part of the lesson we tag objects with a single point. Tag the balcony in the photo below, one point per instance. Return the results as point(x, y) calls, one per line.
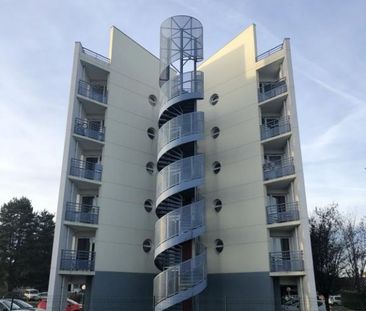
point(275, 128)
point(73, 260)
point(280, 213)
point(269, 52)
point(288, 261)
point(87, 170)
point(277, 169)
point(96, 93)
point(95, 55)
point(180, 130)
point(272, 89)
point(82, 213)
point(90, 129)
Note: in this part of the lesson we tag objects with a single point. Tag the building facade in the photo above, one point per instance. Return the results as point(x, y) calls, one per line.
point(182, 185)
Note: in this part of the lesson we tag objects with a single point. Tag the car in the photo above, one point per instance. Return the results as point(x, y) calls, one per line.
point(71, 305)
point(31, 294)
point(22, 304)
point(335, 300)
point(5, 305)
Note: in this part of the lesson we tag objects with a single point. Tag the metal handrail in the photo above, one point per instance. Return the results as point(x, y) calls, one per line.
point(187, 83)
point(278, 213)
point(276, 88)
point(275, 129)
point(179, 221)
point(184, 170)
point(84, 169)
point(280, 168)
point(76, 260)
point(184, 125)
point(88, 90)
point(181, 277)
point(287, 261)
point(84, 213)
point(89, 129)
point(269, 52)
point(95, 55)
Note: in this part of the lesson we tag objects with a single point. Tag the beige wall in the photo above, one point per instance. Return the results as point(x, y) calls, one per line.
point(231, 73)
point(123, 222)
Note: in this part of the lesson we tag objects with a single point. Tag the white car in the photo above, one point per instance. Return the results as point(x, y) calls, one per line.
point(335, 300)
point(31, 294)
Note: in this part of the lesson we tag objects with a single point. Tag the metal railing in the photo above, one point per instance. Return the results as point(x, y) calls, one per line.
point(178, 221)
point(283, 212)
point(89, 129)
point(84, 169)
point(73, 260)
point(280, 168)
point(286, 261)
point(182, 126)
point(77, 212)
point(269, 52)
point(275, 89)
point(188, 83)
point(181, 277)
point(275, 128)
point(185, 170)
point(96, 55)
point(94, 92)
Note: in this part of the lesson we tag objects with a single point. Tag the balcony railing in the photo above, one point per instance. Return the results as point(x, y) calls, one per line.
point(287, 261)
point(89, 129)
point(277, 169)
point(269, 52)
point(96, 55)
point(94, 92)
point(275, 128)
point(83, 213)
point(272, 90)
point(84, 169)
point(283, 212)
point(72, 260)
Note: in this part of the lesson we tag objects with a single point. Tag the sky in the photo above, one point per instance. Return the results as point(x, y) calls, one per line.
point(328, 45)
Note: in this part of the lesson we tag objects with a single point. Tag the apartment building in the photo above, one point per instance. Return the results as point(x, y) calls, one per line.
point(182, 185)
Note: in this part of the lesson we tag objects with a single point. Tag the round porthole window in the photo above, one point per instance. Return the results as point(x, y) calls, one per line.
point(148, 205)
point(215, 132)
point(151, 132)
point(219, 245)
point(217, 205)
point(147, 245)
point(150, 167)
point(152, 100)
point(214, 99)
point(216, 167)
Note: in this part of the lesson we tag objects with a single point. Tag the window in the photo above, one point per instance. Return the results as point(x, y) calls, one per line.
point(219, 245)
point(217, 205)
point(148, 205)
point(152, 100)
point(147, 245)
point(151, 132)
point(150, 167)
point(214, 99)
point(216, 167)
point(215, 132)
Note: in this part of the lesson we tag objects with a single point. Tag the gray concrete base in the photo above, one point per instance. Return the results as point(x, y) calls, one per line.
point(112, 291)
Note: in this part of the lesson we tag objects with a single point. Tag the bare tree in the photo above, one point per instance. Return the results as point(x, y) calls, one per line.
point(354, 235)
point(327, 247)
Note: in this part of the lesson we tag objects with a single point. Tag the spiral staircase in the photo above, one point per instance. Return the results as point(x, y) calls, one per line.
point(179, 254)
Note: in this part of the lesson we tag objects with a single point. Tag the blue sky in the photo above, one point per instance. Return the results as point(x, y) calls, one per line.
point(328, 47)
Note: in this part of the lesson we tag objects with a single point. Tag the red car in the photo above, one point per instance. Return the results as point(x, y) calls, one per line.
point(71, 305)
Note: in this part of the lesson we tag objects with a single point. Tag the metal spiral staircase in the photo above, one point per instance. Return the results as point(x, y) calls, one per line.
point(178, 251)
